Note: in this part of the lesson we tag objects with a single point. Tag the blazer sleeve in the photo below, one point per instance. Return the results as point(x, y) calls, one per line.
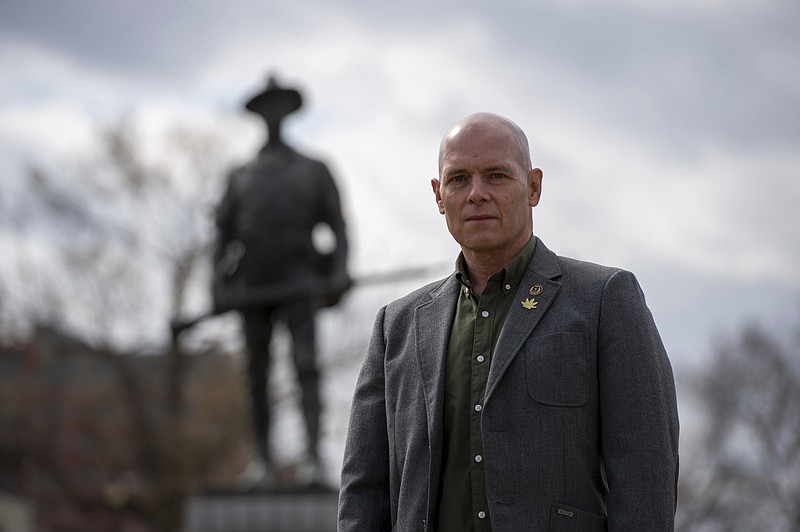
point(638, 412)
point(364, 494)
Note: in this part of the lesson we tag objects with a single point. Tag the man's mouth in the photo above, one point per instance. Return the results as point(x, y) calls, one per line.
point(480, 218)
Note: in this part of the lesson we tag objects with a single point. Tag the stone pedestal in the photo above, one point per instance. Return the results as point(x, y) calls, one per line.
point(301, 511)
point(17, 514)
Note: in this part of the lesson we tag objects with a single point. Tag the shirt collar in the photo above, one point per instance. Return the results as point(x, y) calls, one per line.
point(510, 275)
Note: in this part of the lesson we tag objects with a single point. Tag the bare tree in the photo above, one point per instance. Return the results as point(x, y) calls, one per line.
point(124, 232)
point(117, 241)
point(744, 474)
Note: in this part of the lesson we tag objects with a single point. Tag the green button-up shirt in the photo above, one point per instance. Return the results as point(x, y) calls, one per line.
point(462, 505)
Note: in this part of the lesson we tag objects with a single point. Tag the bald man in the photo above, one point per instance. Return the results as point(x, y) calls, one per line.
point(524, 392)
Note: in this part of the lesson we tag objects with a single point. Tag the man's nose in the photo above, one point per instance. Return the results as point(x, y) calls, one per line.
point(477, 190)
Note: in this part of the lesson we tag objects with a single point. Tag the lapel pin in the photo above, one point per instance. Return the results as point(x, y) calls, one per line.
point(535, 290)
point(529, 304)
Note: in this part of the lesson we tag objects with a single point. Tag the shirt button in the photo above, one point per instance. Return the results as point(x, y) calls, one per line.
point(478, 408)
point(480, 358)
point(485, 313)
point(508, 287)
point(478, 458)
point(481, 515)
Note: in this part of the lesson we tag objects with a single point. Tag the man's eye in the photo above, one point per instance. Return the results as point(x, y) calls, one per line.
point(458, 178)
point(497, 175)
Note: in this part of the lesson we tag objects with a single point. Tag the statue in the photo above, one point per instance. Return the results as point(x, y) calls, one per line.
point(267, 266)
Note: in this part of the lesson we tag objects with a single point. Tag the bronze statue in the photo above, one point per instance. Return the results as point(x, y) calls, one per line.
point(268, 268)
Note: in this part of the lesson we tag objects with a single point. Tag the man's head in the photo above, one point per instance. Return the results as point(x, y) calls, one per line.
point(486, 187)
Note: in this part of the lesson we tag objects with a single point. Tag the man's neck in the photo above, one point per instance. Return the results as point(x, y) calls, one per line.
point(479, 270)
point(482, 265)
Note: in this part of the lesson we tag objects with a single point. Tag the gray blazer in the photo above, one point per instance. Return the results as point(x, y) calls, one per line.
point(580, 423)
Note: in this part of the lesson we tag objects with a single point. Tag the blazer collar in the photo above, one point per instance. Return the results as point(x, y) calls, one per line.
point(539, 287)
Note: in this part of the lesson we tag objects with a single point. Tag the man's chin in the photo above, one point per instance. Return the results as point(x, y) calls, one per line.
point(477, 244)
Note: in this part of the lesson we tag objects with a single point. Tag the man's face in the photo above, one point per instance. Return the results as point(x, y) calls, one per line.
point(485, 190)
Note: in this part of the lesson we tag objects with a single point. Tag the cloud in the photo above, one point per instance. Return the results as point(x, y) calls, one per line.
point(667, 131)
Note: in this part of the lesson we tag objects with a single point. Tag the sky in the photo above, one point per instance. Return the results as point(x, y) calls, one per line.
point(668, 132)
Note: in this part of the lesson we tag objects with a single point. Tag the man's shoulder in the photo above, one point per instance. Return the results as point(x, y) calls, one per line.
point(419, 296)
point(584, 269)
point(548, 263)
point(585, 277)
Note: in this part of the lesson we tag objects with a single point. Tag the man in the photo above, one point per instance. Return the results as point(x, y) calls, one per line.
point(526, 391)
point(269, 269)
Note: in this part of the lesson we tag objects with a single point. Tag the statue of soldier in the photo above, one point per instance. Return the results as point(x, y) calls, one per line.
point(268, 268)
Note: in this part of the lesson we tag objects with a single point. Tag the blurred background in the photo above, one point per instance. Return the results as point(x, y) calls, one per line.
point(668, 133)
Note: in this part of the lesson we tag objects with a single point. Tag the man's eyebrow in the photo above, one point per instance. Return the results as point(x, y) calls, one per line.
point(500, 168)
point(454, 170)
point(463, 170)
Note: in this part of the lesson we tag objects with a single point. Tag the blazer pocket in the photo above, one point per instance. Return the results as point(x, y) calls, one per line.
point(557, 368)
point(568, 519)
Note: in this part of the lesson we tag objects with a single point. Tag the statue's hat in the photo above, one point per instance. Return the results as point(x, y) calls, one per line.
point(275, 100)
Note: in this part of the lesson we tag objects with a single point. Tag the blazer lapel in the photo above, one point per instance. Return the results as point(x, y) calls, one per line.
point(432, 326)
point(521, 321)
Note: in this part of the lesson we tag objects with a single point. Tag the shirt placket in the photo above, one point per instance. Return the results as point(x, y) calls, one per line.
point(479, 373)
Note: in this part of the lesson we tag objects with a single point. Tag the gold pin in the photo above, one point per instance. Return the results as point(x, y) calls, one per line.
point(529, 304)
point(535, 290)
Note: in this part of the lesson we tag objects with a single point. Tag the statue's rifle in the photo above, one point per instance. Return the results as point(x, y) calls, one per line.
point(241, 298)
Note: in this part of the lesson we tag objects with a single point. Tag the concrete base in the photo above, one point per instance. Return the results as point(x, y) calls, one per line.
point(16, 514)
point(262, 512)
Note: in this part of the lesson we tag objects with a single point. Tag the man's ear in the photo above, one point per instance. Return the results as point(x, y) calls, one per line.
point(535, 186)
point(435, 186)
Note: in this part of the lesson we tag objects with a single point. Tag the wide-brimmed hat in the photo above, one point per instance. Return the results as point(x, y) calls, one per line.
point(275, 100)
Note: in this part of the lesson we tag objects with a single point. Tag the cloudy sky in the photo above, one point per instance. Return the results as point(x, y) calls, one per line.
point(668, 132)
